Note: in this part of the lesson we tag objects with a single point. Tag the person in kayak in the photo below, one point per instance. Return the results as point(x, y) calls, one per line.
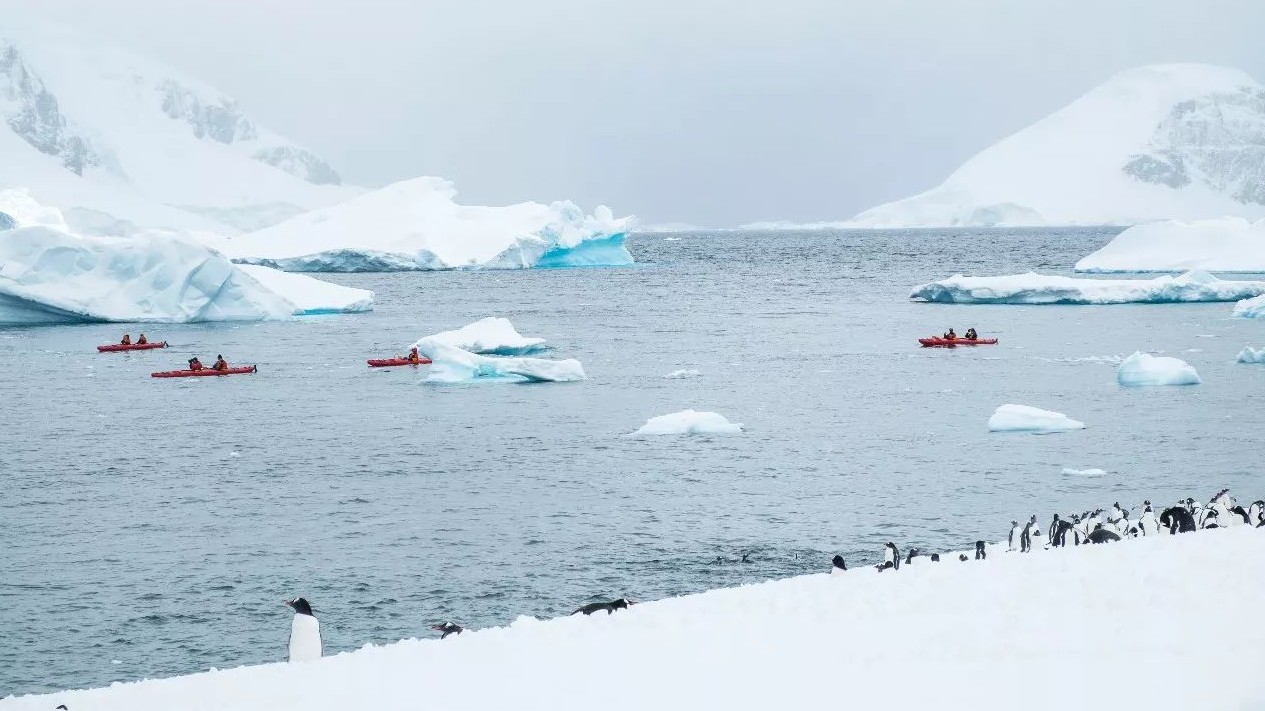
point(220, 363)
point(413, 356)
point(127, 340)
point(971, 335)
point(195, 364)
point(950, 335)
point(142, 340)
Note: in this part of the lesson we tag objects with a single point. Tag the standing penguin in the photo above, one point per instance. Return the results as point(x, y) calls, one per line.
point(838, 565)
point(305, 632)
point(1014, 534)
point(1149, 524)
point(891, 557)
point(1025, 537)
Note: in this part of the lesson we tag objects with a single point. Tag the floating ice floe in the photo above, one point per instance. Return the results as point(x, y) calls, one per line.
point(1227, 244)
point(49, 276)
point(453, 365)
point(1251, 355)
point(416, 225)
point(1250, 308)
point(688, 422)
point(683, 373)
point(488, 336)
point(1144, 369)
point(1035, 288)
point(1084, 472)
point(1022, 418)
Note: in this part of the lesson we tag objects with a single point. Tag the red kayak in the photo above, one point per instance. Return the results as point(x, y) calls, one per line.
point(131, 347)
point(950, 342)
point(388, 362)
point(205, 371)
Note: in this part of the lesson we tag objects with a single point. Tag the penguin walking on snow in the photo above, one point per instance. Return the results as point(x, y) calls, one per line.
point(1014, 534)
point(891, 557)
point(305, 632)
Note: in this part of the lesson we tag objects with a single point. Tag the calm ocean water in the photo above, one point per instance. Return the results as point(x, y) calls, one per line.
point(152, 527)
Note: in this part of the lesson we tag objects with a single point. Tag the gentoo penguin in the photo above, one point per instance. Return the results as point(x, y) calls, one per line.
point(1241, 512)
point(1025, 536)
point(980, 552)
point(305, 632)
point(1117, 513)
point(962, 557)
point(1149, 524)
point(1060, 533)
point(935, 557)
point(910, 558)
point(891, 557)
point(1014, 534)
point(1256, 513)
point(448, 628)
point(620, 604)
point(837, 565)
point(1177, 519)
point(1102, 535)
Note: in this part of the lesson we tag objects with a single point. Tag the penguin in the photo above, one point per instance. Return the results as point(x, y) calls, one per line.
point(1241, 513)
point(980, 552)
point(1060, 533)
point(1256, 513)
point(838, 565)
point(620, 604)
point(891, 557)
point(448, 628)
point(962, 557)
point(910, 558)
point(305, 632)
point(61, 707)
point(1051, 538)
point(1117, 514)
point(1177, 519)
point(1025, 537)
point(935, 557)
point(1147, 522)
point(1102, 535)
point(1014, 535)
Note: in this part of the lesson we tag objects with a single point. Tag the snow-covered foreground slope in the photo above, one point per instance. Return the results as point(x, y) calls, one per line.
point(416, 224)
point(118, 140)
point(1035, 288)
point(1162, 622)
point(49, 276)
point(1227, 244)
point(1178, 141)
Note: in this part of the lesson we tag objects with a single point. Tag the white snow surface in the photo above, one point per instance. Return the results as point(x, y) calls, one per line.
point(1227, 244)
point(1015, 631)
point(417, 224)
point(1251, 308)
point(688, 422)
point(453, 365)
point(1175, 141)
point(48, 276)
point(1023, 418)
point(121, 141)
point(1251, 355)
point(488, 336)
point(1033, 288)
point(1141, 369)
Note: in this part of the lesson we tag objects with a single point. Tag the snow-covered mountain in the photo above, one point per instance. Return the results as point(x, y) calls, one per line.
point(1179, 141)
point(117, 141)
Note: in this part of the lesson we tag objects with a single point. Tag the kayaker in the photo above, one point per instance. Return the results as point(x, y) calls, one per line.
point(127, 339)
point(142, 340)
point(220, 363)
point(950, 335)
point(195, 364)
point(413, 356)
point(971, 335)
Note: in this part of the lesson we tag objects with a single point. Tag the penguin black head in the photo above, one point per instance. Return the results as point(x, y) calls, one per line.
point(838, 562)
point(1014, 523)
point(61, 707)
point(300, 605)
point(962, 556)
point(935, 557)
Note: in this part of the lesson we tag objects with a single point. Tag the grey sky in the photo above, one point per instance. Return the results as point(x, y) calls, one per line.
point(699, 111)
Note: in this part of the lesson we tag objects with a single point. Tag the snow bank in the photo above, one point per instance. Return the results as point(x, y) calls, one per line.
point(1035, 288)
point(417, 225)
point(489, 336)
point(453, 365)
point(1251, 355)
point(1013, 631)
point(48, 276)
point(1143, 369)
point(1022, 418)
point(1227, 244)
point(1250, 308)
point(688, 422)
point(1176, 141)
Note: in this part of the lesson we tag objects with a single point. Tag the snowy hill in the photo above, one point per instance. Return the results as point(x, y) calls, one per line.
point(1180, 141)
point(117, 140)
point(1162, 623)
point(1227, 244)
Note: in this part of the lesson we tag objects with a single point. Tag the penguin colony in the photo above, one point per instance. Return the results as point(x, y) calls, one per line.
point(1104, 526)
point(1088, 527)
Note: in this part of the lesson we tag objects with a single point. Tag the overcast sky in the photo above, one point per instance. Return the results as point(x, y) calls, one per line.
point(699, 111)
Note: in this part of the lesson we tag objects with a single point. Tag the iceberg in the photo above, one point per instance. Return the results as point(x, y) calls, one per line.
point(1172, 141)
point(1228, 244)
point(453, 365)
point(688, 422)
point(1035, 288)
point(1084, 472)
point(682, 374)
point(1250, 308)
point(488, 336)
point(1251, 355)
point(51, 277)
point(1022, 418)
point(417, 225)
point(1142, 369)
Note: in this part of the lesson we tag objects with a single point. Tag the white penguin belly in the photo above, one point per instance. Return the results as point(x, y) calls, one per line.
point(305, 638)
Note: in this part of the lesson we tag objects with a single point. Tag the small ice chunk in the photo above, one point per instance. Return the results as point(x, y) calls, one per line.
point(1251, 355)
point(1084, 472)
point(1142, 369)
point(688, 422)
point(1250, 308)
point(1022, 418)
point(683, 373)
